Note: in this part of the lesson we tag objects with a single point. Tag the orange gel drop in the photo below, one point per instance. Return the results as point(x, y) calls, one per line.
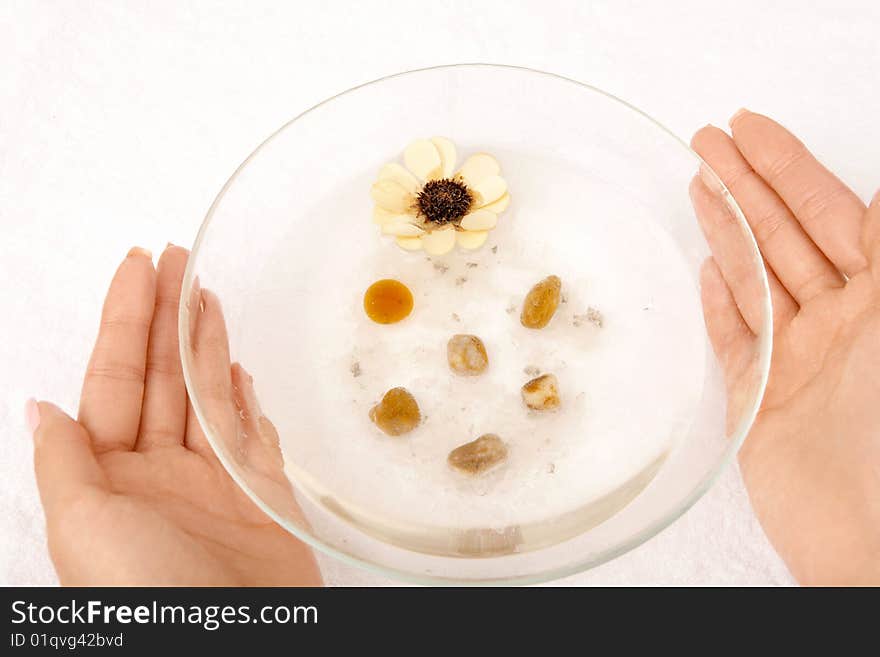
point(388, 301)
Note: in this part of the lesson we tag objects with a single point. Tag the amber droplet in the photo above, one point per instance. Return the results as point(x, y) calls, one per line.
point(388, 301)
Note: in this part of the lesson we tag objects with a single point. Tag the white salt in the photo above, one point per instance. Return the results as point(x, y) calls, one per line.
point(628, 387)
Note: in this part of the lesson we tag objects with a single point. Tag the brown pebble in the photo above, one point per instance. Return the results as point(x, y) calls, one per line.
point(466, 355)
point(479, 455)
point(541, 302)
point(397, 413)
point(542, 393)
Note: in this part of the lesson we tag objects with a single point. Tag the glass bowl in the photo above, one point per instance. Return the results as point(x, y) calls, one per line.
point(599, 196)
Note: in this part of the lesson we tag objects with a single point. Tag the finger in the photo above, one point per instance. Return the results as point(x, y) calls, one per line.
point(728, 332)
point(784, 306)
point(801, 267)
point(829, 211)
point(163, 419)
point(871, 233)
point(110, 405)
point(732, 341)
point(260, 441)
point(260, 449)
point(64, 463)
point(732, 252)
point(212, 380)
point(195, 306)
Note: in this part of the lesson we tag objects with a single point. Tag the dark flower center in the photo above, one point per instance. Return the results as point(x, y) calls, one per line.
point(444, 201)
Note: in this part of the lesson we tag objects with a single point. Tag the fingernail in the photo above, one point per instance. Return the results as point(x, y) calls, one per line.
point(876, 197)
point(138, 251)
point(169, 245)
point(710, 180)
point(32, 415)
point(738, 113)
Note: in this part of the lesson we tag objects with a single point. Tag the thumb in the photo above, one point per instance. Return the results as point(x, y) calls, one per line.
point(64, 462)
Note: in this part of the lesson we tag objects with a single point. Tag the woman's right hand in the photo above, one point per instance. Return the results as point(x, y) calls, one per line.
point(811, 461)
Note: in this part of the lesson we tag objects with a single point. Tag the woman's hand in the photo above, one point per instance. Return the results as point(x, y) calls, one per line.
point(132, 491)
point(811, 462)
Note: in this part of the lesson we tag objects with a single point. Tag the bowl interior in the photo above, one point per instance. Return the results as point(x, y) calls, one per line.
point(599, 197)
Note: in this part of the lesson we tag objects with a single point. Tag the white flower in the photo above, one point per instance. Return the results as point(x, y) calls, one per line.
point(428, 205)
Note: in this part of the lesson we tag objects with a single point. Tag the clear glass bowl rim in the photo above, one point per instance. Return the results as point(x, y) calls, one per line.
point(734, 442)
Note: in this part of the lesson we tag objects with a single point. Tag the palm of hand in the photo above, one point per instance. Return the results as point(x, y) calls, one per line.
point(174, 517)
point(812, 453)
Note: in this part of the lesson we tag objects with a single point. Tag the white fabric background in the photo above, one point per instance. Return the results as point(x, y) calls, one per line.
point(119, 122)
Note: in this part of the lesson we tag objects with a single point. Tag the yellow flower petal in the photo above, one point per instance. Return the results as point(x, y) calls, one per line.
point(447, 155)
point(439, 242)
point(479, 220)
point(409, 243)
point(490, 189)
point(498, 206)
point(382, 216)
point(472, 239)
point(478, 167)
point(402, 229)
point(391, 196)
point(422, 158)
point(393, 171)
